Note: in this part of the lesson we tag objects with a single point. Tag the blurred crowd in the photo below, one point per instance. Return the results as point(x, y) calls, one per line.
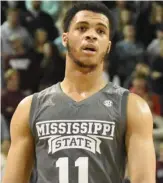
point(33, 57)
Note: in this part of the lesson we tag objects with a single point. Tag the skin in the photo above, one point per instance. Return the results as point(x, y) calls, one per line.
point(21, 154)
point(139, 141)
point(86, 28)
point(129, 33)
point(13, 18)
point(82, 79)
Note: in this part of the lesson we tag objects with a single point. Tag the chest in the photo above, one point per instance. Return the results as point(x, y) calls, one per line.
point(99, 117)
point(93, 108)
point(62, 123)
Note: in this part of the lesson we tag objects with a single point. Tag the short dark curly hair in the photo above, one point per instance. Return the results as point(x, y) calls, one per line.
point(96, 7)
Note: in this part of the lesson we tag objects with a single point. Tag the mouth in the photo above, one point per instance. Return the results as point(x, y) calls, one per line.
point(89, 50)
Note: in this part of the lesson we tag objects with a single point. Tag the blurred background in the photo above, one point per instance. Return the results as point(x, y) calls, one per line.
point(33, 57)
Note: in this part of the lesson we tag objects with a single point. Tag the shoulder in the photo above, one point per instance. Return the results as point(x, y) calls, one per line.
point(25, 103)
point(48, 91)
point(137, 103)
point(22, 113)
point(44, 95)
point(119, 96)
point(138, 112)
point(41, 100)
point(116, 89)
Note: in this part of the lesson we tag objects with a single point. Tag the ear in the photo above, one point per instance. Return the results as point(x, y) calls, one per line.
point(109, 46)
point(64, 39)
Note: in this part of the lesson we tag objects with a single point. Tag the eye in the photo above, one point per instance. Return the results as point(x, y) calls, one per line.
point(82, 28)
point(100, 31)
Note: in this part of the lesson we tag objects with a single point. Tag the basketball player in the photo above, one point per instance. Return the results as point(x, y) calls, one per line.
point(83, 129)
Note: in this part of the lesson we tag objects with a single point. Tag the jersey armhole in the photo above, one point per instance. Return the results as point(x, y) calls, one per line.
point(123, 112)
point(123, 108)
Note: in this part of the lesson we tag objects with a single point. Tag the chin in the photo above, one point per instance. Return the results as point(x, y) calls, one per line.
point(85, 64)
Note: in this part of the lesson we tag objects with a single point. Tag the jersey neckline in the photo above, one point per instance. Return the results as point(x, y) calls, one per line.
point(84, 101)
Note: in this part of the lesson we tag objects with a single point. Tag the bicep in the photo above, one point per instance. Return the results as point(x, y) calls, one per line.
point(21, 153)
point(139, 141)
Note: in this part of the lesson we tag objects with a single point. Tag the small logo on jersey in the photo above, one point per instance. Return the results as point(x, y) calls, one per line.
point(108, 103)
point(75, 134)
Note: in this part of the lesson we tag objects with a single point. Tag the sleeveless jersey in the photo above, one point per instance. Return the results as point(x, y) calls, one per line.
point(79, 142)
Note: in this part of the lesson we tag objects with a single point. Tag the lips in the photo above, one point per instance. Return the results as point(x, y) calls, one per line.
point(91, 49)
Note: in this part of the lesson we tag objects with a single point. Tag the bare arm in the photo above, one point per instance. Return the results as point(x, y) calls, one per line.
point(139, 141)
point(21, 153)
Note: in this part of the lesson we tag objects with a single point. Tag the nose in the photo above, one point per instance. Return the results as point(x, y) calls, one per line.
point(91, 36)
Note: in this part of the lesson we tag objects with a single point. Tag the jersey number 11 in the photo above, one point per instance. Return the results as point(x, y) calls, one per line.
point(81, 162)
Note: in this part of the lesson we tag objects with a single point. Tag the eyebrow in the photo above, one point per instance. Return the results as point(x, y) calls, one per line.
point(85, 22)
point(101, 24)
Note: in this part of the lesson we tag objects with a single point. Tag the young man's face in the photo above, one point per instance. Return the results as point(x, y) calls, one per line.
point(87, 40)
point(129, 31)
point(13, 17)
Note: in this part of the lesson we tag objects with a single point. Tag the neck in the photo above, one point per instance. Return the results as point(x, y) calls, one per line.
point(80, 80)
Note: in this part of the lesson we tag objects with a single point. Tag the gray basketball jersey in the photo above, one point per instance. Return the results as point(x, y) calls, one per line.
point(79, 142)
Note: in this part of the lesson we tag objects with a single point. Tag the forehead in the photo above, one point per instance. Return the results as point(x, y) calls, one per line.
point(90, 17)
